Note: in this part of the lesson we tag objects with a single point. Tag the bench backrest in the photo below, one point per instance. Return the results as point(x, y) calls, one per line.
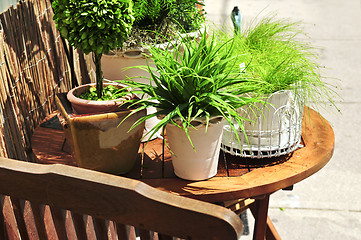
point(72, 203)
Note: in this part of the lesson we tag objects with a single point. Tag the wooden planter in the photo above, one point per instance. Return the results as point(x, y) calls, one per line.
point(98, 142)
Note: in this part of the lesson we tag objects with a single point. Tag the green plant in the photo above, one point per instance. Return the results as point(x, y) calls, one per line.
point(95, 26)
point(278, 57)
point(157, 12)
point(157, 21)
point(110, 92)
point(196, 83)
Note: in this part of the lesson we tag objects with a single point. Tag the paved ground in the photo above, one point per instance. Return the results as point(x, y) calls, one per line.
point(328, 204)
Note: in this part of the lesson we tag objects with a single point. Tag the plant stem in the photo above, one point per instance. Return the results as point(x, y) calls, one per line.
point(98, 73)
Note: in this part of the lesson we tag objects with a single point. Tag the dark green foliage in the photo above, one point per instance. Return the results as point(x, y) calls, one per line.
point(156, 12)
point(94, 25)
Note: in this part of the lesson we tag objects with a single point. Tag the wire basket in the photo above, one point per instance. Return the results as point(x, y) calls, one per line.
point(275, 130)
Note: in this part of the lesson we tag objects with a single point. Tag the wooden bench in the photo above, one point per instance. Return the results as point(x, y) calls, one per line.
point(46, 202)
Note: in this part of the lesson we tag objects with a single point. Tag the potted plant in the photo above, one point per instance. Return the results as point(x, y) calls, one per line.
point(97, 27)
point(193, 97)
point(156, 23)
point(287, 74)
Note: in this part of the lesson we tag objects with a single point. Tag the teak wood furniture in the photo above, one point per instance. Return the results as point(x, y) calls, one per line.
point(59, 194)
point(36, 64)
point(237, 178)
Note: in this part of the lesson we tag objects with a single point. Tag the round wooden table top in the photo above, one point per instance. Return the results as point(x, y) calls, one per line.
point(237, 177)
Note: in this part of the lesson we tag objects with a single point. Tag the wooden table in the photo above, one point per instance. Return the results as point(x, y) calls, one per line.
point(237, 177)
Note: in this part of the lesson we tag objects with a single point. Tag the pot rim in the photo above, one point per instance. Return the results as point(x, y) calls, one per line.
point(94, 102)
point(83, 106)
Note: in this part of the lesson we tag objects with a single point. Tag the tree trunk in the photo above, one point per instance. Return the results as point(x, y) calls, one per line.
point(99, 74)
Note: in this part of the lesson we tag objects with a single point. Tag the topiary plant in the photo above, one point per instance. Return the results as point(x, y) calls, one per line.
point(94, 26)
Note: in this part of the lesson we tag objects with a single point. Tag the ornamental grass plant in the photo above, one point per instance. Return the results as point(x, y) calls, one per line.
point(195, 82)
point(275, 53)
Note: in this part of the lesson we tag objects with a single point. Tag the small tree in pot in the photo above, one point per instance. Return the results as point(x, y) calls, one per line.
point(97, 140)
point(94, 26)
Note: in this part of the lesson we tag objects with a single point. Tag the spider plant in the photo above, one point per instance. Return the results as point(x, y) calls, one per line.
point(196, 82)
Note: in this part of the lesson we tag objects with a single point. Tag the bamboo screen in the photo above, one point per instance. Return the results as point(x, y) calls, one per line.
point(34, 66)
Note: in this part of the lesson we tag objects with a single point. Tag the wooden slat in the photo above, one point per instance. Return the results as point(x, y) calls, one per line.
point(112, 232)
point(3, 232)
point(59, 217)
point(38, 213)
point(79, 225)
point(125, 231)
point(239, 205)
point(18, 207)
point(101, 228)
point(9, 218)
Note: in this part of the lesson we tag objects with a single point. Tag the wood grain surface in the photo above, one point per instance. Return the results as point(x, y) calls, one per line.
point(237, 177)
point(104, 196)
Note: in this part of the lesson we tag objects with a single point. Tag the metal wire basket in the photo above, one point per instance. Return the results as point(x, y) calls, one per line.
point(275, 130)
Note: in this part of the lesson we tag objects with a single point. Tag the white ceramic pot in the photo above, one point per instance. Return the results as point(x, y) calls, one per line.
point(277, 126)
point(116, 67)
point(201, 163)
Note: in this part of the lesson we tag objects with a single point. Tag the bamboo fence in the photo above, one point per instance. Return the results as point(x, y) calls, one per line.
point(35, 64)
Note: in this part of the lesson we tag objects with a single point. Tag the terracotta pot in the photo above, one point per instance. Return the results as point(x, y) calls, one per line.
point(201, 163)
point(82, 106)
point(98, 142)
